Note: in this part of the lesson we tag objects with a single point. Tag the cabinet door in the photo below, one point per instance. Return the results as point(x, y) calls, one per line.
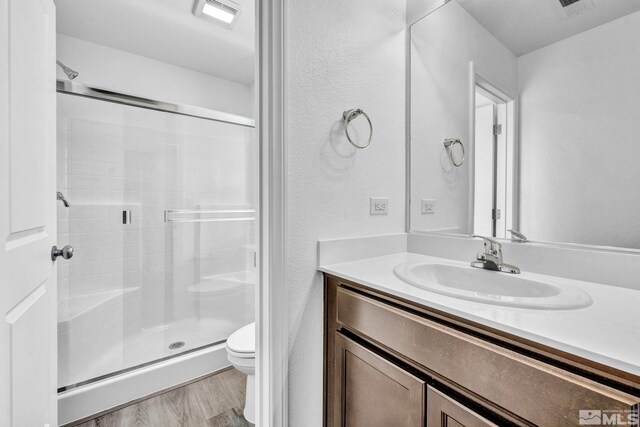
point(442, 411)
point(371, 391)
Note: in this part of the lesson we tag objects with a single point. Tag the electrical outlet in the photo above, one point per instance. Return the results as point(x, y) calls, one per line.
point(379, 205)
point(428, 206)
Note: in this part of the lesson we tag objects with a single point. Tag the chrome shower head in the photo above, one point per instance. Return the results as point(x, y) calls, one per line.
point(72, 74)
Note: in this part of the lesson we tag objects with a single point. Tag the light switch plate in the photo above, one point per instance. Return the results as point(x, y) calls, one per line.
point(379, 206)
point(428, 206)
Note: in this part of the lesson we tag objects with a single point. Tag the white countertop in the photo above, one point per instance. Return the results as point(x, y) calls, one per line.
point(607, 332)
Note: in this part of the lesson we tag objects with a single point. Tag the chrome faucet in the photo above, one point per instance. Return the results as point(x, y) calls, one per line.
point(491, 258)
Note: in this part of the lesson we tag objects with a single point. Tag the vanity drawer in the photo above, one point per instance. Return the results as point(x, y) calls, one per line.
point(535, 391)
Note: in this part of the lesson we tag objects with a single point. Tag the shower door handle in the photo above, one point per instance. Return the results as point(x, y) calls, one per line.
point(66, 252)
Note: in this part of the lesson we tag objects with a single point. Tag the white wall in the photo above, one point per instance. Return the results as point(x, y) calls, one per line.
point(418, 9)
point(117, 70)
point(443, 44)
point(580, 136)
point(340, 55)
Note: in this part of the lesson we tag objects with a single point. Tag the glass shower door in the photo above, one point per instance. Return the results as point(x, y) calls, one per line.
point(190, 246)
point(90, 285)
point(162, 217)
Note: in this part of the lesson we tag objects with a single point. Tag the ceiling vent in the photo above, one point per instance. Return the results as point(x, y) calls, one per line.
point(220, 12)
point(570, 8)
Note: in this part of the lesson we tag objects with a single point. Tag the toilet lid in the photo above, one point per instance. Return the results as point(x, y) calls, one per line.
point(243, 340)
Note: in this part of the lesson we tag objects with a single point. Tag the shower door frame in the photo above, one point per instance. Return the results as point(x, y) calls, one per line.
point(79, 89)
point(272, 328)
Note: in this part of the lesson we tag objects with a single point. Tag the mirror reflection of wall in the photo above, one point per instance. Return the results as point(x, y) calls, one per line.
point(448, 49)
point(580, 137)
point(566, 168)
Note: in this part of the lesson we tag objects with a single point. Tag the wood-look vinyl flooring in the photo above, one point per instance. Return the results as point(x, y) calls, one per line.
point(215, 401)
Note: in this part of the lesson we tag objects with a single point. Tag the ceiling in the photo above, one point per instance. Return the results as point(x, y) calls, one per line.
point(165, 30)
point(527, 25)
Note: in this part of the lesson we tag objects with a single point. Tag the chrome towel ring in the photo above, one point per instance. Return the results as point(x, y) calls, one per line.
point(347, 117)
point(449, 143)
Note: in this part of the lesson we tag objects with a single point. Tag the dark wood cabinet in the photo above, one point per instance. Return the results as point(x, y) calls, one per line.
point(442, 411)
point(373, 392)
point(390, 363)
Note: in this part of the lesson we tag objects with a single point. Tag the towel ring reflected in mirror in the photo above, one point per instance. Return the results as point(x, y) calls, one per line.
point(350, 115)
point(449, 144)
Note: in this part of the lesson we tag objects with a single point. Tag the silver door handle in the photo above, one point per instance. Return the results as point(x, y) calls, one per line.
point(66, 252)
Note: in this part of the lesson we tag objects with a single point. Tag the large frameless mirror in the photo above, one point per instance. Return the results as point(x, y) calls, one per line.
point(544, 97)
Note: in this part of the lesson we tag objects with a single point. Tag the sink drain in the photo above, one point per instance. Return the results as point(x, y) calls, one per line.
point(176, 345)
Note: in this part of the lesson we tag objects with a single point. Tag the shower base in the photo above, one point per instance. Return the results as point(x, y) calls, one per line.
point(105, 395)
point(143, 348)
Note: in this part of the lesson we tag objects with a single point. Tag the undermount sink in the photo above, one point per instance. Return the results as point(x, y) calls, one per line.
point(492, 287)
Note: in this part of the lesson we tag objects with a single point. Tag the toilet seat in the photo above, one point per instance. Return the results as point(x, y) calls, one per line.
point(236, 355)
point(242, 343)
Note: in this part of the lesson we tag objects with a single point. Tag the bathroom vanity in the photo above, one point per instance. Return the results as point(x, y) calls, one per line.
point(392, 360)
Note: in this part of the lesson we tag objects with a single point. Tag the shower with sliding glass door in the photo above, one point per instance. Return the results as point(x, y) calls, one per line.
point(162, 216)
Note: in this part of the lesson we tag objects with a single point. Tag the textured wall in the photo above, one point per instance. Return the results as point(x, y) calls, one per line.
point(138, 75)
point(580, 137)
point(442, 45)
point(340, 55)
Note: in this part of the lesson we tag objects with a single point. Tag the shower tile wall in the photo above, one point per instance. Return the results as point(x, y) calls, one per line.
point(147, 278)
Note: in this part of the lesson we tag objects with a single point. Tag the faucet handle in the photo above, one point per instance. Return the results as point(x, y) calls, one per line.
point(61, 197)
point(518, 236)
point(491, 246)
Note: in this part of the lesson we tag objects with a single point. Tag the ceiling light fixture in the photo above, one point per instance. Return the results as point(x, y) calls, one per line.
point(221, 12)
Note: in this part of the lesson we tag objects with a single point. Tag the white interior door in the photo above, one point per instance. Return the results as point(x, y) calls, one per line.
point(501, 171)
point(483, 180)
point(27, 214)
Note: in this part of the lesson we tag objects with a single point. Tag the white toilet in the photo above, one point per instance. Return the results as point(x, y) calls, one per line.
point(241, 352)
